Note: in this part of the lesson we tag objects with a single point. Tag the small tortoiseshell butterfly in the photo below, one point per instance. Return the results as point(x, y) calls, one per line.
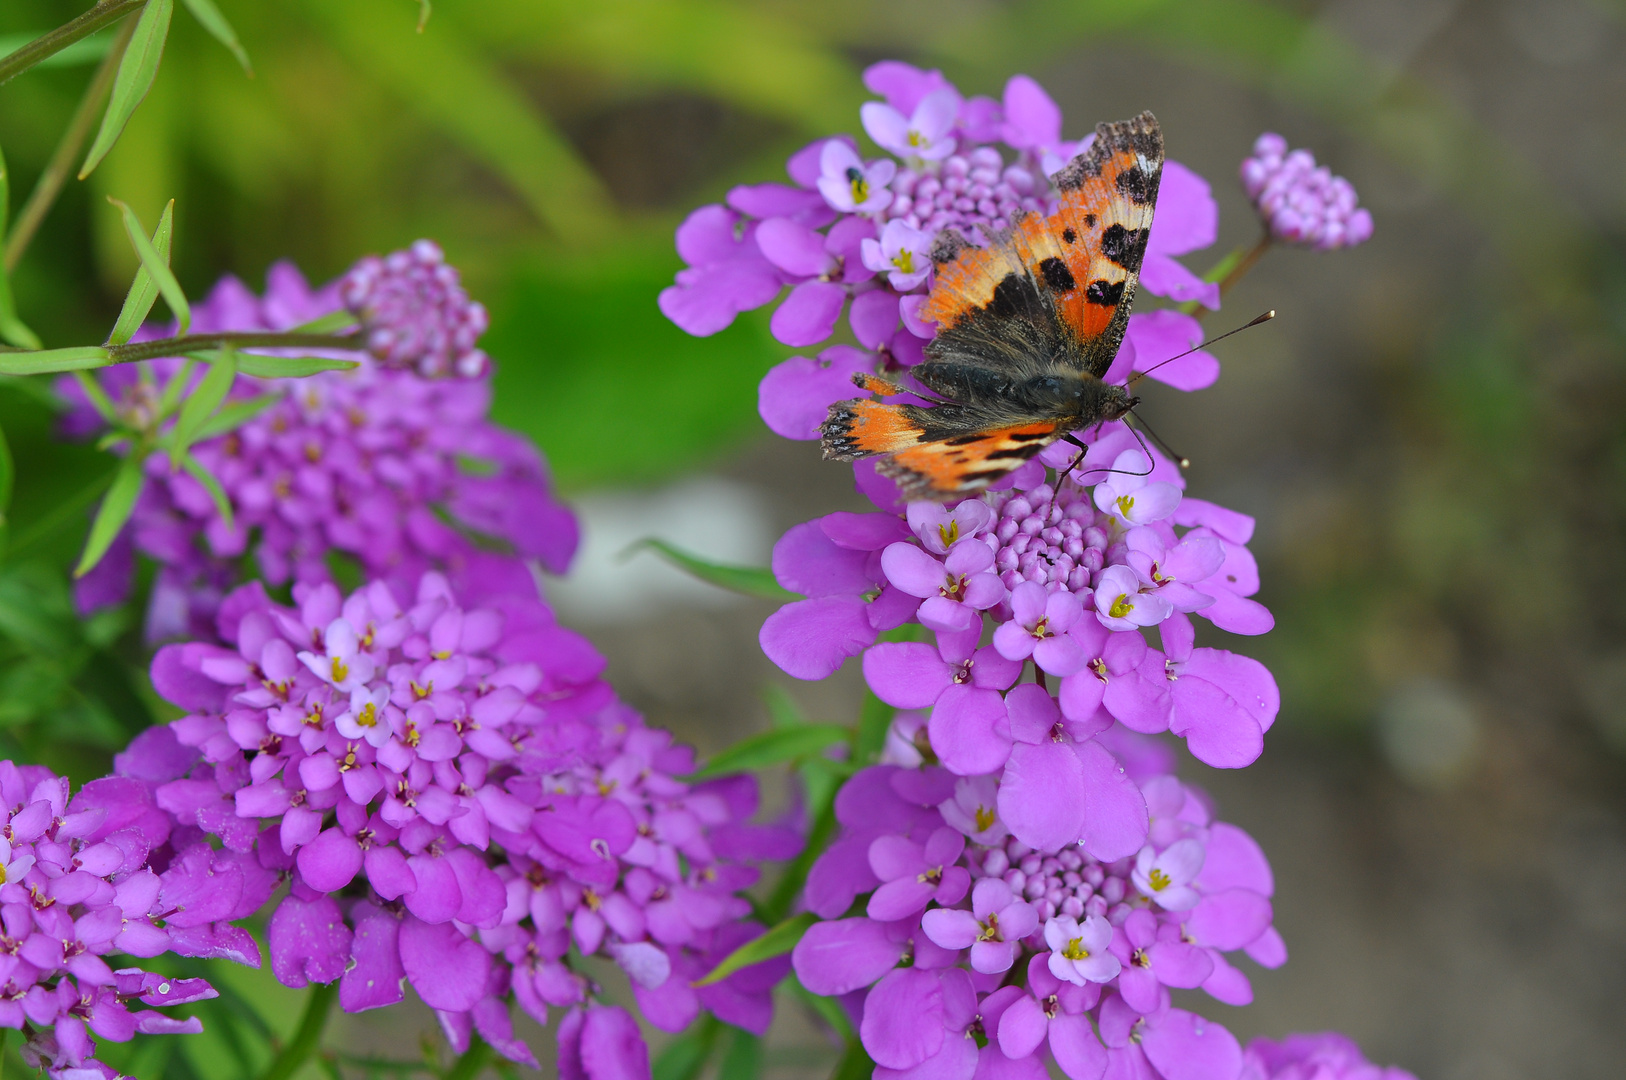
point(1027, 328)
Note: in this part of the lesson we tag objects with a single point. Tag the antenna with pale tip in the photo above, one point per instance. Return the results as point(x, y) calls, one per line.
point(1139, 375)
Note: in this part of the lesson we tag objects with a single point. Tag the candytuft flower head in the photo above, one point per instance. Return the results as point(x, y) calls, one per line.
point(415, 314)
point(1324, 1056)
point(1300, 202)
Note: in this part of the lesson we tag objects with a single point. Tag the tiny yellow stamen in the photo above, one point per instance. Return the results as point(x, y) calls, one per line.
point(341, 670)
point(1159, 880)
point(905, 261)
point(859, 186)
point(1121, 607)
point(984, 818)
point(1126, 503)
point(368, 716)
point(951, 531)
point(990, 929)
point(1075, 950)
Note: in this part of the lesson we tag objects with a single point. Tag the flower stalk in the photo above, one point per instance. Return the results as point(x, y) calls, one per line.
point(309, 1035)
point(46, 45)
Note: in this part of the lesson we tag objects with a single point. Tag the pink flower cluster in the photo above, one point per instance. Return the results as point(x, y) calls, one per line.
point(456, 799)
point(1096, 932)
point(1299, 202)
point(415, 314)
point(851, 235)
point(394, 469)
point(76, 886)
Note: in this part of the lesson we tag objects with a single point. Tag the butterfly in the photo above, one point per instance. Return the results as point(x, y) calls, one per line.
point(1027, 328)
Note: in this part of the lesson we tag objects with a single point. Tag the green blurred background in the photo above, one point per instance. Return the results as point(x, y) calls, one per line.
point(1431, 433)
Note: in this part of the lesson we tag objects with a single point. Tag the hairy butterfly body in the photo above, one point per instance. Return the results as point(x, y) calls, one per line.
point(1027, 328)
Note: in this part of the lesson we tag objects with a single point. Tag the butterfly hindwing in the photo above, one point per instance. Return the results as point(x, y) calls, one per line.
point(935, 453)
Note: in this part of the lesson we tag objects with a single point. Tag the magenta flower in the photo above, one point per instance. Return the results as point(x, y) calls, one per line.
point(954, 590)
point(1123, 603)
point(795, 396)
point(974, 810)
point(1222, 703)
point(1130, 498)
point(992, 929)
point(415, 313)
point(1038, 628)
point(926, 134)
point(726, 272)
point(903, 254)
point(1079, 950)
point(851, 186)
point(1187, 220)
point(1324, 1056)
point(913, 875)
point(1165, 876)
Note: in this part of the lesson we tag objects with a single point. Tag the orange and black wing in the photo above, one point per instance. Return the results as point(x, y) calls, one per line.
point(943, 452)
point(1064, 280)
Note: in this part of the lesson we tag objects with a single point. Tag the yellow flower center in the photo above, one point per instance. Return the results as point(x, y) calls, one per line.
point(1159, 880)
point(990, 929)
point(985, 818)
point(1075, 950)
point(1121, 607)
point(859, 185)
point(341, 670)
point(1126, 503)
point(368, 716)
point(905, 261)
point(950, 532)
point(1099, 666)
point(916, 139)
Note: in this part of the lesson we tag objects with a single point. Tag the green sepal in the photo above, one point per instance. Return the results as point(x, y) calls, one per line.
point(210, 18)
point(776, 942)
point(137, 68)
point(115, 510)
point(51, 361)
point(157, 265)
point(774, 747)
point(755, 581)
point(144, 289)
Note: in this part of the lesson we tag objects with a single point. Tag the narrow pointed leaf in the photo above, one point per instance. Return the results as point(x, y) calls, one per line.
point(773, 747)
point(144, 289)
point(156, 265)
point(776, 942)
point(750, 580)
point(202, 402)
point(8, 476)
point(783, 710)
point(137, 68)
point(51, 361)
point(234, 414)
point(202, 475)
point(97, 396)
point(210, 18)
point(115, 510)
point(289, 367)
point(332, 321)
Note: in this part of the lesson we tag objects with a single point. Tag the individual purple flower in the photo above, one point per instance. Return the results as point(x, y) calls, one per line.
point(1165, 876)
point(851, 186)
point(1123, 603)
point(794, 398)
point(926, 134)
point(1079, 950)
point(1130, 497)
point(1299, 202)
point(1038, 628)
point(974, 810)
point(726, 273)
point(1223, 703)
point(414, 313)
point(954, 590)
point(992, 929)
point(913, 875)
point(1154, 957)
point(1326, 1055)
point(903, 254)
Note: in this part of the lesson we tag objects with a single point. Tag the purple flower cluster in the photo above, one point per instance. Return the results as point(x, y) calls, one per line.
point(853, 235)
point(457, 800)
point(1068, 577)
point(1326, 1056)
point(1095, 933)
point(396, 470)
point(1299, 202)
point(76, 885)
point(415, 314)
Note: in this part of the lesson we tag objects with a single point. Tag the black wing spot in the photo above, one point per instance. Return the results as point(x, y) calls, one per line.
point(1056, 274)
point(1068, 235)
point(1008, 299)
point(965, 440)
point(1028, 436)
point(1123, 246)
point(1089, 220)
point(1132, 182)
point(1105, 293)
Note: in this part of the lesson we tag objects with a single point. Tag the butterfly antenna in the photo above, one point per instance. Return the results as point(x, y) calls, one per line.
point(1150, 464)
point(1180, 459)
point(1139, 375)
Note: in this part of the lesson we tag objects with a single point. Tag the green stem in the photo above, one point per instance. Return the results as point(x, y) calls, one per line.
point(1240, 270)
point(308, 1037)
point(61, 165)
point(1228, 271)
point(190, 343)
point(103, 14)
point(473, 1060)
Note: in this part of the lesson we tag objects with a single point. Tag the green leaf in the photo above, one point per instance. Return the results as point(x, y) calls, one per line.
point(234, 414)
point(203, 476)
point(115, 510)
point(5, 186)
point(774, 747)
point(8, 476)
point(782, 708)
point(686, 1055)
point(750, 580)
point(213, 21)
point(144, 289)
point(288, 367)
point(332, 321)
point(155, 264)
point(743, 1061)
point(202, 402)
point(97, 396)
point(137, 68)
point(776, 942)
point(51, 361)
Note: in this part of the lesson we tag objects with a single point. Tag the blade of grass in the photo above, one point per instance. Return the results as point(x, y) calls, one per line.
point(144, 288)
point(155, 264)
